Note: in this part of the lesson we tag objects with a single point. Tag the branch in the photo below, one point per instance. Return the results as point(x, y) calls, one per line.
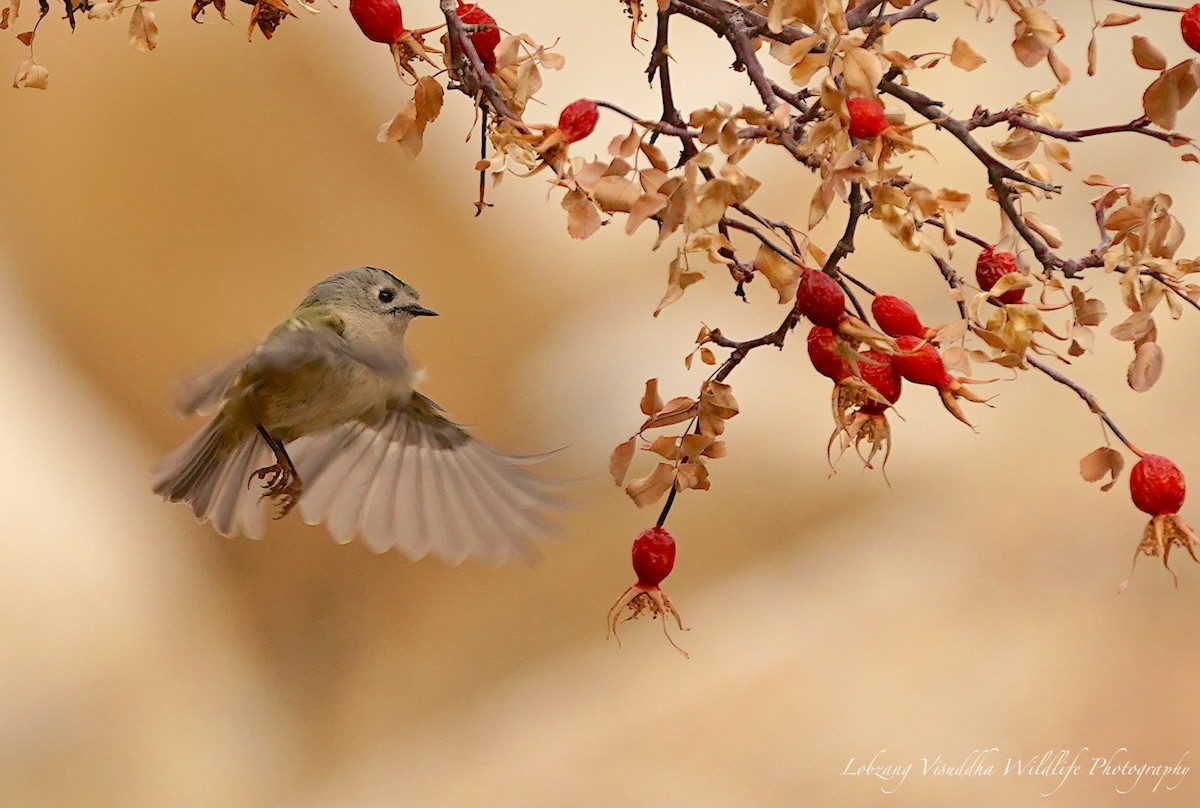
point(1088, 398)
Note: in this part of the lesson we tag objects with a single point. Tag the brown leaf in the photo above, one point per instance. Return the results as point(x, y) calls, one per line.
point(1170, 93)
point(692, 475)
point(647, 490)
point(651, 403)
point(199, 6)
point(1097, 464)
point(31, 75)
point(665, 445)
point(679, 277)
point(782, 274)
point(675, 411)
point(965, 57)
point(583, 219)
point(1117, 18)
point(1146, 368)
point(618, 462)
point(1147, 55)
point(143, 31)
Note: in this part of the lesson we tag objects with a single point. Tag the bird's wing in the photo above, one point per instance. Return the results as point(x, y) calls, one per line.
point(415, 481)
point(204, 392)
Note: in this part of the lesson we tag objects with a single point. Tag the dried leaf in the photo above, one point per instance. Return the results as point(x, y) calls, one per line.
point(31, 75)
point(583, 219)
point(965, 57)
point(1104, 461)
point(675, 411)
point(1170, 93)
point(651, 403)
point(1147, 55)
point(782, 274)
point(143, 31)
point(618, 462)
point(647, 490)
point(666, 446)
point(1146, 368)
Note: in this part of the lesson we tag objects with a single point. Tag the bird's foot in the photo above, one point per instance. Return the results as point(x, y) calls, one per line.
point(281, 484)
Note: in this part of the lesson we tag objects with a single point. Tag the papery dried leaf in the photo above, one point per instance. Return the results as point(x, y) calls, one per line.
point(1147, 55)
point(143, 31)
point(691, 476)
point(199, 6)
point(583, 219)
point(782, 274)
point(1134, 327)
point(1170, 93)
point(651, 403)
point(693, 445)
point(965, 57)
point(618, 462)
point(862, 70)
point(1104, 461)
point(665, 445)
point(1115, 18)
point(647, 490)
point(1036, 33)
point(680, 276)
point(1061, 70)
point(1051, 234)
point(675, 411)
point(31, 75)
point(1146, 368)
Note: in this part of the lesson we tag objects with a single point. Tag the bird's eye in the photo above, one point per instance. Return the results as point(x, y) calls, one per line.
point(386, 295)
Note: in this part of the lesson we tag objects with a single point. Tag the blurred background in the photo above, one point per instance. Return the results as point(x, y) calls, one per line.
point(163, 209)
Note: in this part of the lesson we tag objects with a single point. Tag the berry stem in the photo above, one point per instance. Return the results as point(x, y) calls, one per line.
point(1088, 398)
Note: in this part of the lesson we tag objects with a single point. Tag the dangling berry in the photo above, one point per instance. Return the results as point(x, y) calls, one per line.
point(897, 318)
point(867, 119)
point(919, 362)
point(653, 558)
point(578, 119)
point(1189, 26)
point(1157, 487)
point(878, 370)
point(825, 353)
point(820, 299)
point(991, 266)
point(484, 40)
point(379, 20)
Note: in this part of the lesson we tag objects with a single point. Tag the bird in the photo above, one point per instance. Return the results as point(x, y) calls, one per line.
point(323, 415)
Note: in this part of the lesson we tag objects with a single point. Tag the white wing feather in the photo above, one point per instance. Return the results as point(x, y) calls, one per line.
point(419, 483)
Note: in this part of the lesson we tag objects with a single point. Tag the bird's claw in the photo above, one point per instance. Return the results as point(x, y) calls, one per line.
point(281, 485)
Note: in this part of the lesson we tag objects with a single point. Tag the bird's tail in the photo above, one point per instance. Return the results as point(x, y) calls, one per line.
point(211, 473)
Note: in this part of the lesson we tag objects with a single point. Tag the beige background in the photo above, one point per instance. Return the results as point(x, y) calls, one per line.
point(161, 209)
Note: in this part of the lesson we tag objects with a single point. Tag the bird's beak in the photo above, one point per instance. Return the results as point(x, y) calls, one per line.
point(417, 310)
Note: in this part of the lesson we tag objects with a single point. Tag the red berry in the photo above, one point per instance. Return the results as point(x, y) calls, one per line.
point(578, 119)
point(820, 299)
point(878, 370)
point(920, 363)
point(1156, 485)
point(653, 556)
point(379, 20)
point(486, 40)
point(867, 120)
point(991, 266)
point(1189, 26)
point(824, 353)
point(896, 317)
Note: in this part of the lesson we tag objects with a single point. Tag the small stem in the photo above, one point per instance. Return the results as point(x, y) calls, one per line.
point(1088, 398)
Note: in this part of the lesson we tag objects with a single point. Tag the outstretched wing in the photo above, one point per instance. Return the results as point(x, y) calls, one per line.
point(415, 481)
